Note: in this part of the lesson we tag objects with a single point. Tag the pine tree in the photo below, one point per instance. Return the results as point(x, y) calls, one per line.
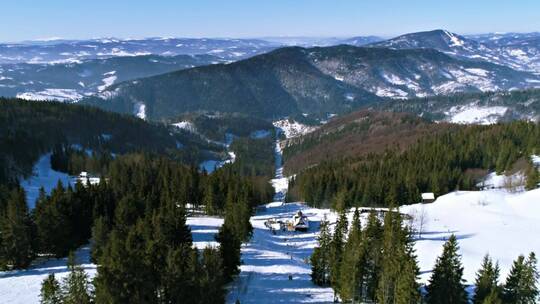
point(372, 261)
point(50, 291)
point(407, 287)
point(336, 250)
point(100, 233)
point(16, 232)
point(486, 282)
point(180, 275)
point(351, 265)
point(320, 259)
point(521, 283)
point(446, 282)
point(493, 297)
point(210, 276)
point(399, 272)
point(229, 249)
point(76, 287)
point(123, 273)
point(533, 177)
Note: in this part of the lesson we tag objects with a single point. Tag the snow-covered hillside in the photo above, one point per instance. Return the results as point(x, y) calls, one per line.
point(43, 176)
point(497, 222)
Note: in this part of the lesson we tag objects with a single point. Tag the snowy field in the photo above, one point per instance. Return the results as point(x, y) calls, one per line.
point(497, 222)
point(23, 286)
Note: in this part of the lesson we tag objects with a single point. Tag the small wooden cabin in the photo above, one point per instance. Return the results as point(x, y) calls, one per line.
point(428, 197)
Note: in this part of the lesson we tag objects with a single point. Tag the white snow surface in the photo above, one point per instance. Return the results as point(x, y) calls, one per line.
point(43, 176)
point(52, 94)
point(474, 114)
point(292, 129)
point(23, 286)
point(203, 230)
point(269, 259)
point(108, 81)
point(186, 125)
point(497, 222)
point(140, 110)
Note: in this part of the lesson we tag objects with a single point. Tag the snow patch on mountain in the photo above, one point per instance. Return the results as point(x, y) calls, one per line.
point(474, 114)
point(186, 125)
point(52, 94)
point(108, 81)
point(140, 110)
point(391, 92)
point(293, 128)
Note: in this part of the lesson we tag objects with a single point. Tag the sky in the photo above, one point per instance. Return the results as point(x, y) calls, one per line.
point(80, 19)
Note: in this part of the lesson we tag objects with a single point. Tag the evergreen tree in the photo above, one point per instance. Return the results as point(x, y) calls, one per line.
point(179, 279)
point(533, 177)
point(123, 274)
point(320, 259)
point(100, 233)
point(493, 297)
point(16, 232)
point(372, 262)
point(486, 282)
point(351, 265)
point(76, 287)
point(336, 250)
point(520, 286)
point(50, 291)
point(229, 249)
point(211, 277)
point(446, 282)
point(54, 223)
point(399, 271)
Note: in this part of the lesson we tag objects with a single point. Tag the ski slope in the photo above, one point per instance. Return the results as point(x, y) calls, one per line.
point(43, 176)
point(275, 267)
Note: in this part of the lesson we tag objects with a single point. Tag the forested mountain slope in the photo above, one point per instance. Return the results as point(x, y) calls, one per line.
point(318, 81)
point(30, 129)
point(472, 107)
point(71, 81)
point(455, 158)
point(356, 134)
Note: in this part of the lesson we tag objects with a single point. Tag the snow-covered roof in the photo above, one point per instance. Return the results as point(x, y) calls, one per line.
point(428, 196)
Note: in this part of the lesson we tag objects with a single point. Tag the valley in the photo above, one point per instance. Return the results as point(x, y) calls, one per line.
point(273, 152)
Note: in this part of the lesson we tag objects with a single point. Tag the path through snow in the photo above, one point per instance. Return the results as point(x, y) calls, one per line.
point(269, 260)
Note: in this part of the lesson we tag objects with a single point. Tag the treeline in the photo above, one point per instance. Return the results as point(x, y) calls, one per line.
point(29, 129)
point(452, 160)
point(376, 263)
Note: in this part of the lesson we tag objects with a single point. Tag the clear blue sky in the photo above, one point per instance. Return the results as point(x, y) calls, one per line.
point(32, 19)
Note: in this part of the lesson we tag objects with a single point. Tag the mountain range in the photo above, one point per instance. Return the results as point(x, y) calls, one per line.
point(164, 77)
point(317, 81)
point(518, 51)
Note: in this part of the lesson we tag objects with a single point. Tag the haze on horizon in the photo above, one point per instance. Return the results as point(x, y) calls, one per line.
point(31, 20)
